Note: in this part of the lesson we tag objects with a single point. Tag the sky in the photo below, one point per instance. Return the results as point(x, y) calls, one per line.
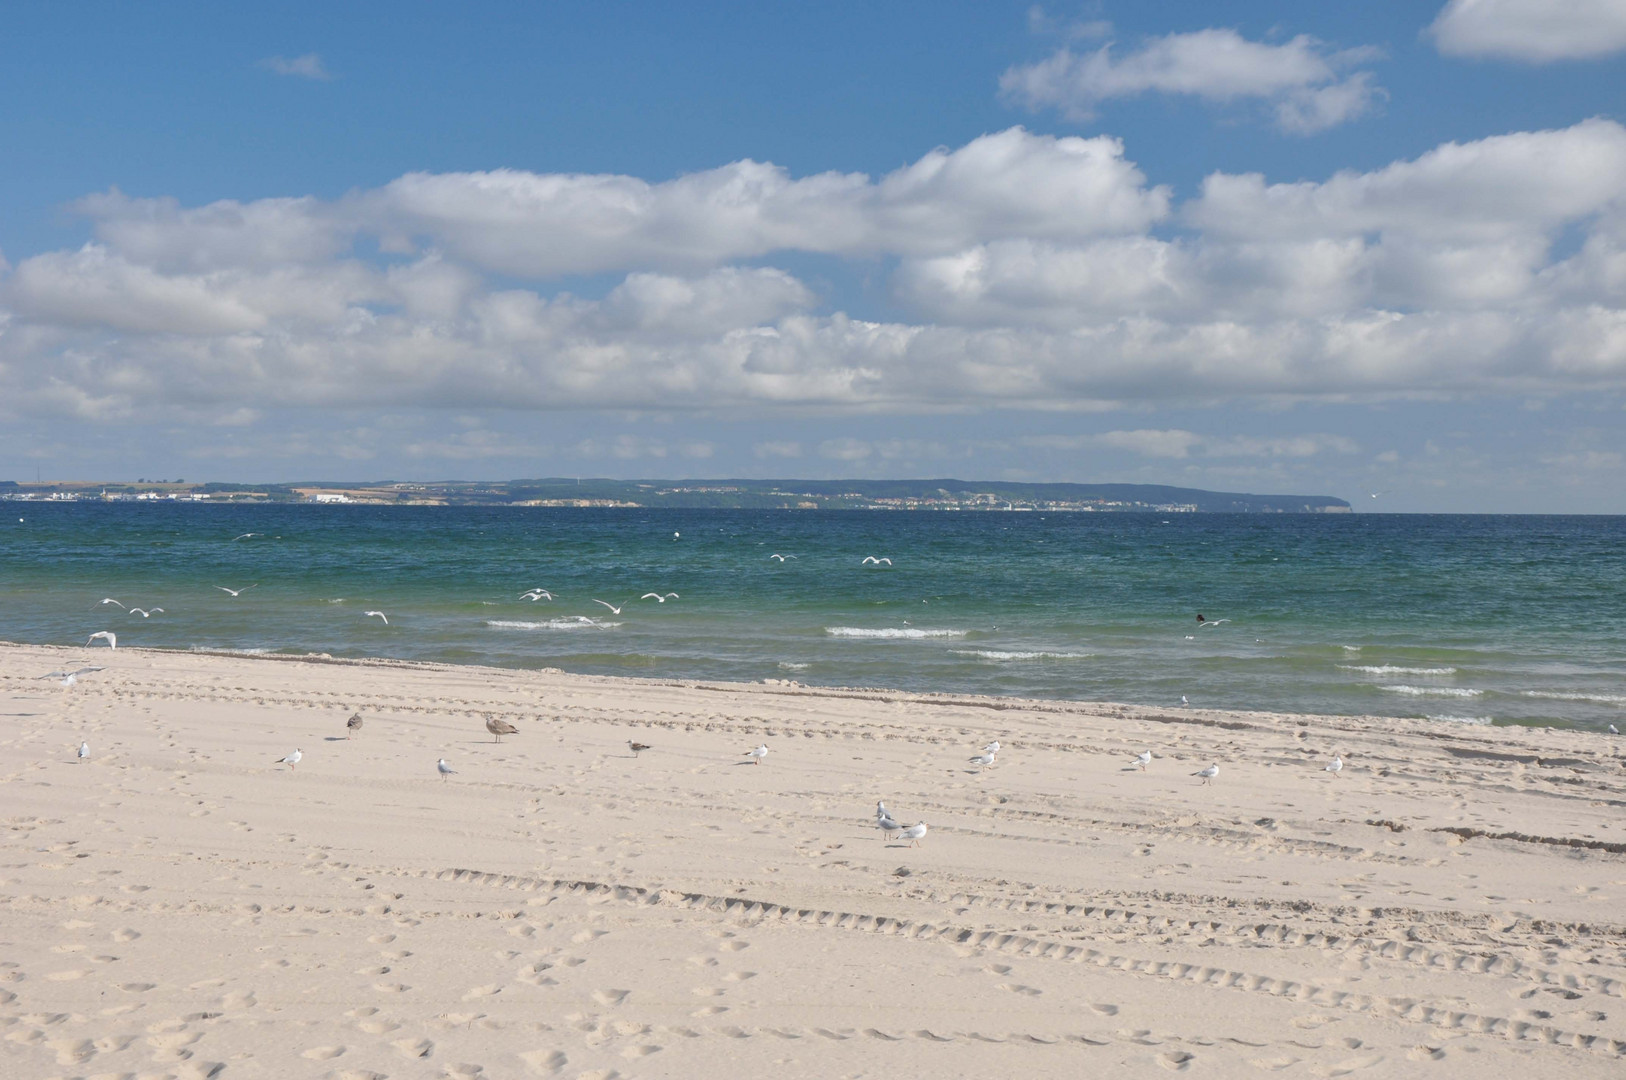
point(1375, 251)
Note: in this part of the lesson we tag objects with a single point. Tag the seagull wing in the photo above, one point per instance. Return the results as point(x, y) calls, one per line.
point(609, 605)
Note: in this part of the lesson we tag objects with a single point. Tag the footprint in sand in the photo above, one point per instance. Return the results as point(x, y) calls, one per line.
point(610, 997)
point(1176, 1060)
point(413, 1048)
point(1017, 988)
point(545, 1062)
point(1104, 1010)
point(323, 1053)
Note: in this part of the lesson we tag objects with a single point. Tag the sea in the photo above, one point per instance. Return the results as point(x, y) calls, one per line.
point(1458, 619)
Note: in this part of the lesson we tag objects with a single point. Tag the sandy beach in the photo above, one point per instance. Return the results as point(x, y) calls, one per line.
point(179, 905)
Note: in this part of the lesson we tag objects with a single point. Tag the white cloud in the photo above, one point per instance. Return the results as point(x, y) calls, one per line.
point(1534, 31)
point(308, 66)
point(1027, 275)
point(782, 449)
point(1178, 444)
point(1309, 86)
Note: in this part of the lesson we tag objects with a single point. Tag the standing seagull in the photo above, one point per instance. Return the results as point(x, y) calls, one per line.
point(914, 833)
point(352, 725)
point(112, 638)
point(238, 592)
point(637, 747)
point(499, 728)
point(758, 754)
point(1143, 759)
point(888, 827)
point(1337, 765)
point(984, 760)
point(444, 769)
point(84, 751)
point(1209, 773)
point(380, 614)
point(291, 760)
point(991, 748)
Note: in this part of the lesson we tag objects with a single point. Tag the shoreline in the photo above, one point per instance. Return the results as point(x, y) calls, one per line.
point(559, 905)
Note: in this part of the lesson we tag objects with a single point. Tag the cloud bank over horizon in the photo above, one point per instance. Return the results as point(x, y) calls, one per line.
point(1032, 271)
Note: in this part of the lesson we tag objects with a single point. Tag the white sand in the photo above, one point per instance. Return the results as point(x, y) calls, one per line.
point(180, 906)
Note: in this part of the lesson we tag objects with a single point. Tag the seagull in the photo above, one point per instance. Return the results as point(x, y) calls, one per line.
point(238, 592)
point(1183, 700)
point(637, 747)
point(245, 536)
point(380, 614)
point(291, 760)
point(536, 594)
point(444, 769)
point(146, 613)
point(983, 760)
point(991, 748)
point(1613, 730)
point(881, 812)
point(1337, 765)
point(613, 609)
point(657, 596)
point(1210, 622)
point(112, 638)
point(352, 725)
point(888, 827)
point(1208, 773)
point(1143, 759)
point(84, 751)
point(872, 559)
point(781, 558)
point(499, 728)
point(70, 677)
point(108, 600)
point(758, 754)
point(914, 833)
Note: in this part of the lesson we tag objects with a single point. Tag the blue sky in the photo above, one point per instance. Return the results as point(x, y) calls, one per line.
point(1255, 246)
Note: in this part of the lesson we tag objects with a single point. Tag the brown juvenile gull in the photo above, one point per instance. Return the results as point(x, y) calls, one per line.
point(637, 747)
point(499, 728)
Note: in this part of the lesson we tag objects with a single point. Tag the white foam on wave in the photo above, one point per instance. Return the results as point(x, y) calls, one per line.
point(1480, 720)
point(789, 666)
point(997, 654)
point(1433, 691)
point(1351, 648)
point(1390, 669)
point(891, 632)
point(572, 622)
point(1567, 695)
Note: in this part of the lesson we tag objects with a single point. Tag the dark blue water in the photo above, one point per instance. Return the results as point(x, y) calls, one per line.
point(1466, 618)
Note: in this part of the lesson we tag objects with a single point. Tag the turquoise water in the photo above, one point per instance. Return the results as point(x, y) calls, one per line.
point(1466, 619)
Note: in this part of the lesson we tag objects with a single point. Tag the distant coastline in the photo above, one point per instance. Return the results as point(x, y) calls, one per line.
point(932, 495)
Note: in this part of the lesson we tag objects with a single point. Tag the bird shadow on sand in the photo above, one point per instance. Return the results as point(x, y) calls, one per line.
point(334, 738)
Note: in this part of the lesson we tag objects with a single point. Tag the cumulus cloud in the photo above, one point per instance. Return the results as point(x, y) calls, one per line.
point(1027, 272)
point(1308, 86)
point(308, 66)
point(1533, 31)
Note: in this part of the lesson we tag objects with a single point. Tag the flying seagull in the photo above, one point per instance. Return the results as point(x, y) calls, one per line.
point(1209, 773)
point(781, 558)
point(352, 725)
point(291, 760)
point(146, 613)
point(872, 559)
point(112, 638)
point(108, 600)
point(238, 592)
point(612, 607)
point(246, 536)
point(536, 594)
point(499, 728)
point(1209, 622)
point(380, 614)
point(70, 677)
point(658, 596)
